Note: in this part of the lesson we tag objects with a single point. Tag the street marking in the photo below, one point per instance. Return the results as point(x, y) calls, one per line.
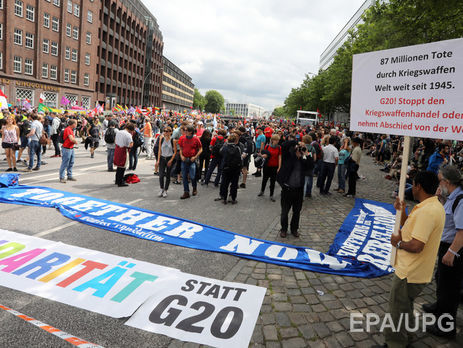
point(69, 224)
point(75, 341)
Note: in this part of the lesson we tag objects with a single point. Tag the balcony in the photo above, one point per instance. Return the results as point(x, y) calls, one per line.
point(101, 79)
point(105, 10)
point(110, 65)
point(105, 28)
point(102, 62)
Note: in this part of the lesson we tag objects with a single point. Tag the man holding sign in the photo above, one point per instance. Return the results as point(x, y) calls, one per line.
point(417, 244)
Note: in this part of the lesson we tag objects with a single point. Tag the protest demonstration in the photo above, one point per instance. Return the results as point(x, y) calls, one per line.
point(218, 200)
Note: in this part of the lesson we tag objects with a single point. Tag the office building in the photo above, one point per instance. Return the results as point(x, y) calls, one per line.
point(245, 110)
point(327, 57)
point(49, 48)
point(106, 51)
point(177, 89)
point(130, 51)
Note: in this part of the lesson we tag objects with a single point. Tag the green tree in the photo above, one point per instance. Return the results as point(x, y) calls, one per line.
point(391, 24)
point(279, 112)
point(199, 102)
point(214, 102)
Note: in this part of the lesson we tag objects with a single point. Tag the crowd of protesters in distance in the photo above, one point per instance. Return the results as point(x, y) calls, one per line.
point(27, 135)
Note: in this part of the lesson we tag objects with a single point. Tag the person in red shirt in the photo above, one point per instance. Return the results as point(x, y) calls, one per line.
point(272, 154)
point(268, 131)
point(67, 159)
point(190, 149)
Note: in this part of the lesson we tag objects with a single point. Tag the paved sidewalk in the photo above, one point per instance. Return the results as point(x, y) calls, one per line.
point(308, 309)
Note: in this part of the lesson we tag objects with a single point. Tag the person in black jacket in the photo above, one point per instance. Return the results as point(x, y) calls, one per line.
point(232, 161)
point(294, 163)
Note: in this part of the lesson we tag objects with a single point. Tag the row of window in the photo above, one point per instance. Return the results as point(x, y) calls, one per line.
point(47, 71)
point(30, 10)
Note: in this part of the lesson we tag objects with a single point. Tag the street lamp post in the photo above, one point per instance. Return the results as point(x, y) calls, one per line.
point(144, 81)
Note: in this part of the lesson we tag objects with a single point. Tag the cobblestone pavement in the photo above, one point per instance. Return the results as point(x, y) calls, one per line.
point(308, 309)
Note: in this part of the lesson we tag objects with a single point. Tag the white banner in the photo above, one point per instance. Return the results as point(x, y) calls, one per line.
point(99, 282)
point(203, 310)
point(415, 91)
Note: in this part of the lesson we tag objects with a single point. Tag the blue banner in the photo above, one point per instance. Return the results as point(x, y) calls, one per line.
point(361, 248)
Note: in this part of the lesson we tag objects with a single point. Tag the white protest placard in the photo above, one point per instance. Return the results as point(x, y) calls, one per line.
point(203, 310)
point(413, 91)
point(99, 282)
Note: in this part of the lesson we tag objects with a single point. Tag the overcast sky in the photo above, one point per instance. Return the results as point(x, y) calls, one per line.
point(251, 51)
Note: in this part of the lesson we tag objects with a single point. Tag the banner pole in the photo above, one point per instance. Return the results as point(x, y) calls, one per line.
point(403, 178)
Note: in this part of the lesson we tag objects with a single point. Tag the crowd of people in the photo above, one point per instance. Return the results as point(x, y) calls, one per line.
point(190, 149)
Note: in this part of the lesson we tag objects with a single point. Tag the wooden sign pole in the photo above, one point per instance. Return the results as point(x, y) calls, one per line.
point(403, 178)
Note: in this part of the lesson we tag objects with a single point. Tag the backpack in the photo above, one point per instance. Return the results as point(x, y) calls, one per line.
point(158, 144)
point(110, 136)
point(217, 146)
point(26, 127)
point(138, 139)
point(233, 157)
point(455, 203)
point(61, 137)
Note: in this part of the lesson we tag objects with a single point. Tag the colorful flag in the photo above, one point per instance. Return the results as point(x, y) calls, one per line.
point(64, 100)
point(43, 108)
point(3, 100)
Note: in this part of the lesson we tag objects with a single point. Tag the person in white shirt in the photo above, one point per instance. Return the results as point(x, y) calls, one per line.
point(330, 161)
point(123, 143)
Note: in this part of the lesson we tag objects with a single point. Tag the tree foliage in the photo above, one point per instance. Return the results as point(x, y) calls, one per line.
point(199, 102)
point(215, 102)
point(385, 25)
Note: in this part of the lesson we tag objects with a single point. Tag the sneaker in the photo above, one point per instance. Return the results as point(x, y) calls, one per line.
point(195, 192)
point(92, 155)
point(9, 170)
point(36, 168)
point(161, 191)
point(54, 156)
point(185, 195)
point(27, 170)
point(63, 181)
point(123, 184)
point(258, 175)
point(272, 199)
point(283, 234)
point(234, 201)
point(15, 169)
point(71, 179)
point(295, 234)
point(243, 185)
point(176, 182)
point(218, 199)
point(261, 193)
point(164, 194)
point(341, 191)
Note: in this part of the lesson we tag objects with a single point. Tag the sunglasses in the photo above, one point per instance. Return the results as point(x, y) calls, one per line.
point(167, 131)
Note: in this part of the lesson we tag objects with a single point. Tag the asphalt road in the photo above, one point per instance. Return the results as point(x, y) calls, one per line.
point(251, 216)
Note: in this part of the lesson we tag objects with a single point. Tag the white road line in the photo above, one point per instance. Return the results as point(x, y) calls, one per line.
point(57, 173)
point(69, 224)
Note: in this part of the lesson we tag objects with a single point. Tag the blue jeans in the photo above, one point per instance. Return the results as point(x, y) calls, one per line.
point(188, 169)
point(110, 158)
point(67, 161)
point(34, 149)
point(308, 184)
point(342, 169)
point(215, 162)
point(133, 158)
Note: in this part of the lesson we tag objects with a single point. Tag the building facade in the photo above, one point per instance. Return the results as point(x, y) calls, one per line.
point(47, 47)
point(327, 57)
point(177, 88)
point(246, 110)
point(130, 55)
point(89, 51)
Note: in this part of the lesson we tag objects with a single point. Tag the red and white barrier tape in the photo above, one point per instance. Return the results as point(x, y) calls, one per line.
point(75, 341)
